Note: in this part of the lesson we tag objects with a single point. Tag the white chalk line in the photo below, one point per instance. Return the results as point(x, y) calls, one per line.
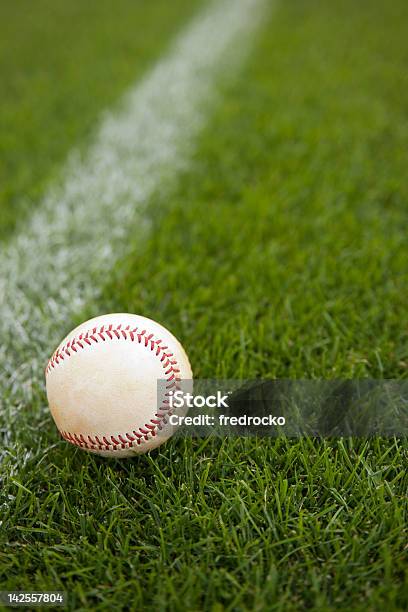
point(59, 261)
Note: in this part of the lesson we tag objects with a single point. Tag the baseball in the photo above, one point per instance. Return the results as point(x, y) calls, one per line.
point(102, 384)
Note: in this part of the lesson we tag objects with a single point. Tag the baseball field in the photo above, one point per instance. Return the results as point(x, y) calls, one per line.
point(237, 171)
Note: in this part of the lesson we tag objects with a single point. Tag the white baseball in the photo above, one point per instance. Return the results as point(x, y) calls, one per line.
point(102, 384)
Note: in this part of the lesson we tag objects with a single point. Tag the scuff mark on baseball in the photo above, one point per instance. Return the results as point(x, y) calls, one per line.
point(102, 384)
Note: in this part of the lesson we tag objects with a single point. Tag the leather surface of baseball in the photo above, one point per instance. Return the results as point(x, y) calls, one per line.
point(102, 384)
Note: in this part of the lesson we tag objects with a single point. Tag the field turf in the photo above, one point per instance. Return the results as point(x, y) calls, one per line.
point(61, 66)
point(280, 252)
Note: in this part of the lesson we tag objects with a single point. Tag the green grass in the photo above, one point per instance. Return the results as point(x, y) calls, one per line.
point(240, 524)
point(282, 252)
point(61, 65)
point(294, 216)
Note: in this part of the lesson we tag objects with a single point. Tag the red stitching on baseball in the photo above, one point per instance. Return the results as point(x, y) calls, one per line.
point(142, 434)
